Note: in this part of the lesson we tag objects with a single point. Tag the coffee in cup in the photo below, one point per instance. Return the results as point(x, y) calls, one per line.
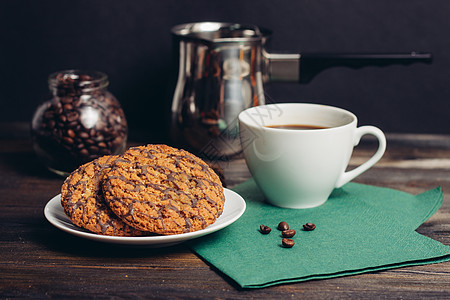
point(298, 152)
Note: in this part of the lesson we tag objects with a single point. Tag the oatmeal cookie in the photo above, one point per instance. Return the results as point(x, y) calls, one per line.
point(163, 190)
point(82, 200)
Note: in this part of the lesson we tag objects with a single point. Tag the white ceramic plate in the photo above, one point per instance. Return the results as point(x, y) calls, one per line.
point(233, 209)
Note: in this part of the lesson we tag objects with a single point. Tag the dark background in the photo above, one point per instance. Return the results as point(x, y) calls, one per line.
point(131, 42)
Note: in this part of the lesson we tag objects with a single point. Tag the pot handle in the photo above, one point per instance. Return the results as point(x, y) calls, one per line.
point(313, 64)
point(303, 68)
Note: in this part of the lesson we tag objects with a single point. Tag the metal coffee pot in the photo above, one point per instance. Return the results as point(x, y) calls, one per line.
point(222, 71)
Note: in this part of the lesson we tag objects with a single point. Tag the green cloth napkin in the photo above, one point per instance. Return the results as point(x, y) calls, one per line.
point(409, 209)
point(359, 229)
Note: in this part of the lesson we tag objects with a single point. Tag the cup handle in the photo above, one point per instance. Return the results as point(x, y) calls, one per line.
point(359, 133)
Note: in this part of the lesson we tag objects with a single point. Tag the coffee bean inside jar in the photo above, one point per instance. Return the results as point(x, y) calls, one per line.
point(82, 121)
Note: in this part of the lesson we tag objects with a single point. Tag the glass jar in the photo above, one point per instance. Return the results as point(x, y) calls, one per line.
point(82, 121)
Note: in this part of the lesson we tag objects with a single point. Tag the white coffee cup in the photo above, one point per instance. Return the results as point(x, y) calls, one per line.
point(300, 168)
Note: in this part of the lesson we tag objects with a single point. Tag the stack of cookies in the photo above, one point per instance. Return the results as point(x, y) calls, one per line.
point(153, 189)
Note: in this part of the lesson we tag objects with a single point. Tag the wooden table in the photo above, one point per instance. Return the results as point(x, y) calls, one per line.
point(40, 261)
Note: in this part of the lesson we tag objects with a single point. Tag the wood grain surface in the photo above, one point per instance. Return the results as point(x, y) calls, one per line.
point(39, 261)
